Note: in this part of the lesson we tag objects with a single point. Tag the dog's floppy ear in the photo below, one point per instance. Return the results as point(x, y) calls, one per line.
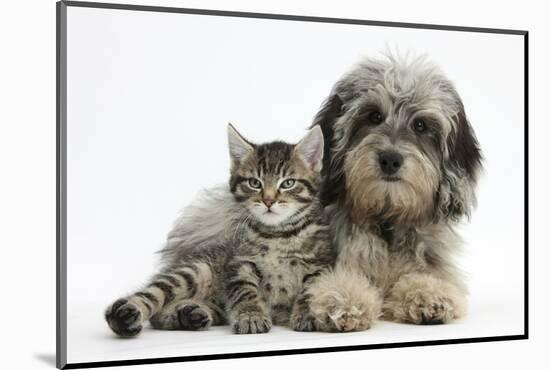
point(325, 118)
point(460, 169)
point(463, 146)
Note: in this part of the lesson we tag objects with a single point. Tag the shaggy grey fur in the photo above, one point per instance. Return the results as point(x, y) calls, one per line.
point(400, 170)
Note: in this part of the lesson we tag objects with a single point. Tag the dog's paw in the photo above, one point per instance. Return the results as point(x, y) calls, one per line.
point(426, 308)
point(194, 317)
point(349, 319)
point(425, 300)
point(252, 323)
point(430, 310)
point(124, 318)
point(344, 301)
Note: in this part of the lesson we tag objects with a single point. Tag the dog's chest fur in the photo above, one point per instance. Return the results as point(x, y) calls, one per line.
point(384, 253)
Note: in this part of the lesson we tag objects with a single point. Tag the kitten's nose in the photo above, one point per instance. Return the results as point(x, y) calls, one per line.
point(268, 202)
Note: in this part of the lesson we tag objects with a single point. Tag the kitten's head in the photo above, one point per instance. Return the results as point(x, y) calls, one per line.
point(277, 182)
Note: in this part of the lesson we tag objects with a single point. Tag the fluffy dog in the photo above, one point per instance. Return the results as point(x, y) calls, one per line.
point(400, 169)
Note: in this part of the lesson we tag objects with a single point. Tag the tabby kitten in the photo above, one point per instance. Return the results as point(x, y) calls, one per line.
point(258, 273)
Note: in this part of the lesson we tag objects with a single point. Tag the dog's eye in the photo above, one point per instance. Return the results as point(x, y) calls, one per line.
point(375, 118)
point(254, 183)
point(419, 126)
point(288, 183)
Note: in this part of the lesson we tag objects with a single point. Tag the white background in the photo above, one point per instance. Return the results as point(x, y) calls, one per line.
point(28, 203)
point(149, 98)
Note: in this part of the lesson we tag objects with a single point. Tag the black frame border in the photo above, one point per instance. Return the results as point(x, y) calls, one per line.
point(61, 191)
point(61, 184)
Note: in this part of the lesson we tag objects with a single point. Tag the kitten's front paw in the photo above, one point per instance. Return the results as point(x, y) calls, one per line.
point(251, 323)
point(194, 317)
point(304, 322)
point(124, 318)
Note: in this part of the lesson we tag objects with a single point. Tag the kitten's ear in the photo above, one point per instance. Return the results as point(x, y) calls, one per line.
point(310, 148)
point(238, 146)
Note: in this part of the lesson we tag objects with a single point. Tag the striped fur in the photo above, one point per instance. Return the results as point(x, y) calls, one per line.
point(255, 272)
point(286, 242)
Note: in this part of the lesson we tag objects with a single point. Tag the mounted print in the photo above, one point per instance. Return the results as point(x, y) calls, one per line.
point(240, 184)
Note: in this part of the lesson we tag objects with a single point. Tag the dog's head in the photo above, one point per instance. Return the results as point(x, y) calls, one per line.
point(399, 148)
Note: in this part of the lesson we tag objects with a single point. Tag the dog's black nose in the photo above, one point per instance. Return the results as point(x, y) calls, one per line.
point(390, 162)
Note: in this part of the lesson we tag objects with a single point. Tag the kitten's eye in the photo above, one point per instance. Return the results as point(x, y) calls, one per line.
point(288, 183)
point(254, 183)
point(375, 118)
point(419, 126)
